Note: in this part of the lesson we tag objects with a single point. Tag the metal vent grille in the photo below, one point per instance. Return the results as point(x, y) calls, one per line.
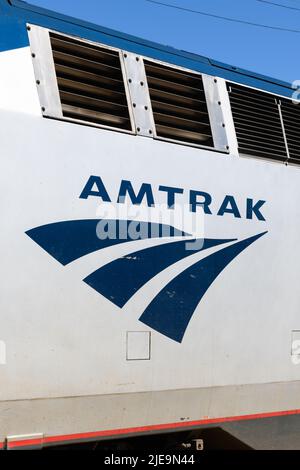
point(258, 123)
point(291, 119)
point(178, 104)
point(90, 82)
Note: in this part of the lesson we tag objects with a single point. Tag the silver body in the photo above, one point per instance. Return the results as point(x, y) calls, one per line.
point(66, 371)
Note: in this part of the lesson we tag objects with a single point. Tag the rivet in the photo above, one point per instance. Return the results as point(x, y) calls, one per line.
point(28, 28)
point(150, 131)
point(137, 59)
point(227, 147)
point(215, 80)
point(130, 81)
point(134, 105)
point(142, 83)
point(125, 55)
point(43, 109)
point(38, 82)
point(223, 125)
point(219, 103)
point(146, 108)
point(33, 55)
point(138, 129)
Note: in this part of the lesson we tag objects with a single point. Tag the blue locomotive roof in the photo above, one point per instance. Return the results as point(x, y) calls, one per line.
point(14, 14)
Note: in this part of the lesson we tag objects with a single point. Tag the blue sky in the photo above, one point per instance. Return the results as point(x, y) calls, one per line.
point(265, 51)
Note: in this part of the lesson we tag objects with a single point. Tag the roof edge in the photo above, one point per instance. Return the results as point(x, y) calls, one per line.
point(231, 72)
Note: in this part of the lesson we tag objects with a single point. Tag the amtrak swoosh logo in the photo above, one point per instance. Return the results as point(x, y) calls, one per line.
point(172, 308)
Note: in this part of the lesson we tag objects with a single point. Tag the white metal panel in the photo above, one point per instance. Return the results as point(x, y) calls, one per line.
point(140, 104)
point(217, 106)
point(44, 69)
point(225, 109)
point(18, 91)
point(52, 321)
point(67, 416)
point(138, 345)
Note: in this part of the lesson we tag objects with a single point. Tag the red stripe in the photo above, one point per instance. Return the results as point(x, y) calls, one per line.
point(25, 443)
point(1, 445)
point(143, 429)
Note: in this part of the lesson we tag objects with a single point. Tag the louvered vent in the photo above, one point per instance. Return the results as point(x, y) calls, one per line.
point(179, 105)
point(90, 82)
point(291, 119)
point(257, 123)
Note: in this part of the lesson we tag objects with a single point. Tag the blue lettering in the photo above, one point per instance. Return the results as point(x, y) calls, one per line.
point(100, 192)
point(254, 209)
point(95, 187)
point(229, 206)
point(171, 194)
point(145, 190)
point(205, 203)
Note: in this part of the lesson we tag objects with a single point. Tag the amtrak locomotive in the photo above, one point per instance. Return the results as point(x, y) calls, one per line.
point(150, 255)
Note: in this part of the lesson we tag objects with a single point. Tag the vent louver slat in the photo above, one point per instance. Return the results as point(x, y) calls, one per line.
point(266, 125)
point(87, 77)
point(253, 106)
point(255, 129)
point(185, 113)
point(179, 105)
point(291, 118)
point(259, 138)
point(257, 123)
point(90, 83)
